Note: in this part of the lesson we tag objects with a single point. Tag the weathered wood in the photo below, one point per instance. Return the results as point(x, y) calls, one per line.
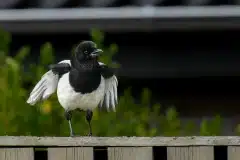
point(70, 153)
point(130, 153)
point(190, 153)
point(233, 152)
point(118, 141)
point(16, 154)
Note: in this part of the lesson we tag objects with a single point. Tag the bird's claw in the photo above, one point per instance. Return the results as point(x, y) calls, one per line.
point(89, 134)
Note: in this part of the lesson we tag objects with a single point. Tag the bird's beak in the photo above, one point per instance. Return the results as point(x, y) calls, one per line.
point(96, 53)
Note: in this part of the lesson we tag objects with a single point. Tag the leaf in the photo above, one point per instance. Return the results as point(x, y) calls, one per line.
point(115, 65)
point(2, 58)
point(215, 125)
point(12, 63)
point(113, 49)
point(237, 130)
point(189, 129)
point(73, 48)
point(172, 124)
point(46, 107)
point(46, 54)
point(156, 108)
point(204, 128)
point(22, 53)
point(152, 132)
point(145, 97)
point(97, 36)
point(171, 114)
point(5, 39)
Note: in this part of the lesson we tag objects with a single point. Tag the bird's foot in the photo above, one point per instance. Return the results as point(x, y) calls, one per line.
point(72, 135)
point(89, 134)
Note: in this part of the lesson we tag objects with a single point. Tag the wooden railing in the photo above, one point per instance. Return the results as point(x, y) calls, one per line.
point(121, 148)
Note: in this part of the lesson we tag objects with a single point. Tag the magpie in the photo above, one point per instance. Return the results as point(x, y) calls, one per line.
point(82, 83)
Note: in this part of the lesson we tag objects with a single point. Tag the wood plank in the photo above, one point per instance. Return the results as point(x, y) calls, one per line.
point(16, 154)
point(233, 152)
point(119, 141)
point(70, 153)
point(130, 153)
point(190, 153)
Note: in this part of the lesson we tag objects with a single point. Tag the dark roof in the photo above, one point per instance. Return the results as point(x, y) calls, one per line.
point(108, 3)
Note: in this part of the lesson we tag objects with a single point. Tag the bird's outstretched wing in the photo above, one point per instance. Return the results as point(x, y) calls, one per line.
point(45, 87)
point(110, 99)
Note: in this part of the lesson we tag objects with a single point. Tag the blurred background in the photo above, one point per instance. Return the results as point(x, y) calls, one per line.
point(179, 64)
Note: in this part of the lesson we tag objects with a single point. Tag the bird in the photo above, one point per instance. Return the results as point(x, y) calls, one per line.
point(82, 83)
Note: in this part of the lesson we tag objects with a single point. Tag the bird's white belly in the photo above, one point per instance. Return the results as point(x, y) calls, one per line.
point(70, 100)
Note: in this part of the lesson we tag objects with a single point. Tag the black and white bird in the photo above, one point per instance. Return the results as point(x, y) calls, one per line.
point(82, 83)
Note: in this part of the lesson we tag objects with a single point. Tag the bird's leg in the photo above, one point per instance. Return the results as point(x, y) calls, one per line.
point(79, 110)
point(89, 115)
point(68, 116)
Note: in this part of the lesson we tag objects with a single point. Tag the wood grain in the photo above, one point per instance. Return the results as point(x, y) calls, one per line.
point(130, 153)
point(70, 153)
point(233, 152)
point(16, 154)
point(119, 141)
point(190, 153)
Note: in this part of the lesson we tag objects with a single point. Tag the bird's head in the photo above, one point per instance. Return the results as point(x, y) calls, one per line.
point(85, 55)
point(87, 50)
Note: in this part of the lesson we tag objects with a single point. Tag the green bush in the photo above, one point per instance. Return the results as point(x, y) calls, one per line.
point(46, 118)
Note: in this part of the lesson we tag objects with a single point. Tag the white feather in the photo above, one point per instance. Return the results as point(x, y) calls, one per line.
point(70, 100)
point(107, 100)
point(110, 99)
point(112, 103)
point(45, 87)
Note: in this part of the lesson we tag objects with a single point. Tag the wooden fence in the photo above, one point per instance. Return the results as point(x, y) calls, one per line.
point(121, 148)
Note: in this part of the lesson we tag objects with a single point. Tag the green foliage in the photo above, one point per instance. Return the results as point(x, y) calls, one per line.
point(46, 54)
point(46, 118)
point(211, 127)
point(238, 129)
point(5, 38)
point(98, 37)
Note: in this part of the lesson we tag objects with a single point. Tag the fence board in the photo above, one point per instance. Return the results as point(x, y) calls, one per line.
point(190, 153)
point(233, 152)
point(70, 153)
point(130, 153)
point(16, 154)
point(119, 148)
